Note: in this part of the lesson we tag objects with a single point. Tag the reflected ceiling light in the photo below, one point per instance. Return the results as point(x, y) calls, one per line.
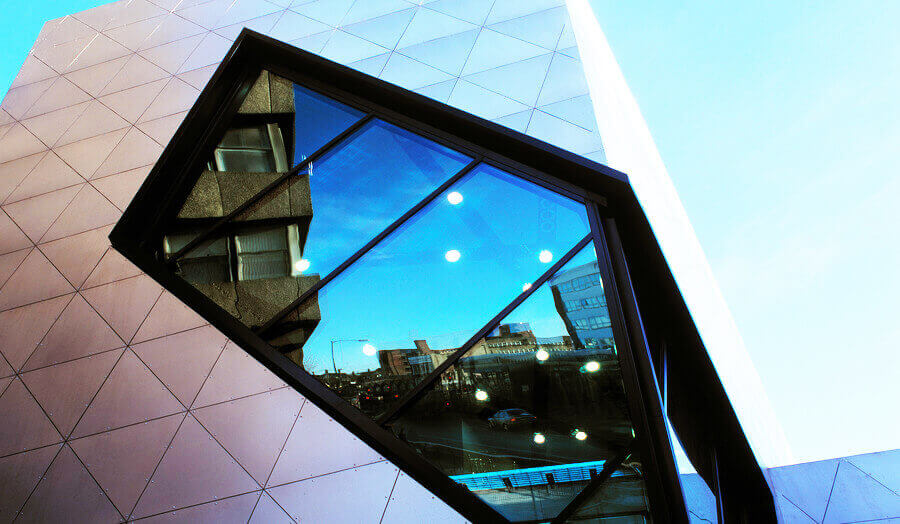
point(301, 265)
point(545, 256)
point(452, 255)
point(542, 355)
point(481, 395)
point(592, 367)
point(368, 350)
point(455, 198)
point(526, 286)
point(539, 438)
point(579, 435)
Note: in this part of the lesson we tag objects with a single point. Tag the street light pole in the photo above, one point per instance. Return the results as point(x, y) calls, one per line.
point(333, 363)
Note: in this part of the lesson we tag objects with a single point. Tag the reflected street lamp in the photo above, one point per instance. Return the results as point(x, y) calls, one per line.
point(333, 363)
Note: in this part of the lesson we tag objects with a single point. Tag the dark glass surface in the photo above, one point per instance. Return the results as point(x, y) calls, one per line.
point(393, 315)
point(622, 498)
point(527, 401)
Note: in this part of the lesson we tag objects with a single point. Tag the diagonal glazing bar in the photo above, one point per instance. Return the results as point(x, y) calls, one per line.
point(608, 469)
point(425, 384)
point(222, 222)
point(312, 291)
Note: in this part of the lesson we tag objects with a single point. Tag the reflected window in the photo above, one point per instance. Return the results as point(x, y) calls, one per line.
point(257, 149)
point(250, 254)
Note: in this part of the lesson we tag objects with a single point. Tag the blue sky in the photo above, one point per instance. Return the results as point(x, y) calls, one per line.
point(779, 123)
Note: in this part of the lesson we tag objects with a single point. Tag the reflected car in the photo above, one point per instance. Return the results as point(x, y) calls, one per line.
point(507, 418)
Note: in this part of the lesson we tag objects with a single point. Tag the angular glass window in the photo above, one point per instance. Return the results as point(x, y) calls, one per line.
point(432, 284)
point(531, 413)
point(435, 281)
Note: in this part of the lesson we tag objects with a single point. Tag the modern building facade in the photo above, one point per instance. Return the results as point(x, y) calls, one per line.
point(125, 404)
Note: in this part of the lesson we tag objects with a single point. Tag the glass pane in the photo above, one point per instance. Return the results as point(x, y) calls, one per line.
point(276, 123)
point(622, 498)
point(329, 211)
point(253, 266)
point(256, 137)
point(271, 239)
point(317, 120)
point(335, 207)
point(530, 413)
point(425, 290)
point(365, 184)
point(245, 161)
point(205, 270)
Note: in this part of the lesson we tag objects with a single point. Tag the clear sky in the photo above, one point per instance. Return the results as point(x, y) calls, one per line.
point(779, 123)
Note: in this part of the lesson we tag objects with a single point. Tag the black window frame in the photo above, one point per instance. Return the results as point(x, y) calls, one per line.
point(613, 212)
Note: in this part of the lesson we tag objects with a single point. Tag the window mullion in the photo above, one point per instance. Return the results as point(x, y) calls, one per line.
point(665, 495)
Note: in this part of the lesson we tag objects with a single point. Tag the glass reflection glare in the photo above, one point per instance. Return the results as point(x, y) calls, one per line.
point(539, 438)
point(579, 435)
point(592, 367)
point(542, 355)
point(455, 198)
point(481, 395)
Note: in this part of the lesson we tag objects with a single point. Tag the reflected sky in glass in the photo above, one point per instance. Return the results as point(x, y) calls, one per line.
point(445, 272)
point(365, 184)
point(317, 120)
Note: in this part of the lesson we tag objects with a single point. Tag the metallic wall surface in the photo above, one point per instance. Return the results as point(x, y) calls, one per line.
point(119, 403)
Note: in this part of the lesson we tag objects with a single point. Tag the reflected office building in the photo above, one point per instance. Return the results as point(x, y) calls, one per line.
point(579, 298)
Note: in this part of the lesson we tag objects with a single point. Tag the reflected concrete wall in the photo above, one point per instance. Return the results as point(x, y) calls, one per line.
point(116, 401)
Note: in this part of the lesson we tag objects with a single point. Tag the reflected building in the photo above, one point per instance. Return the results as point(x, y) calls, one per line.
point(256, 263)
point(581, 303)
